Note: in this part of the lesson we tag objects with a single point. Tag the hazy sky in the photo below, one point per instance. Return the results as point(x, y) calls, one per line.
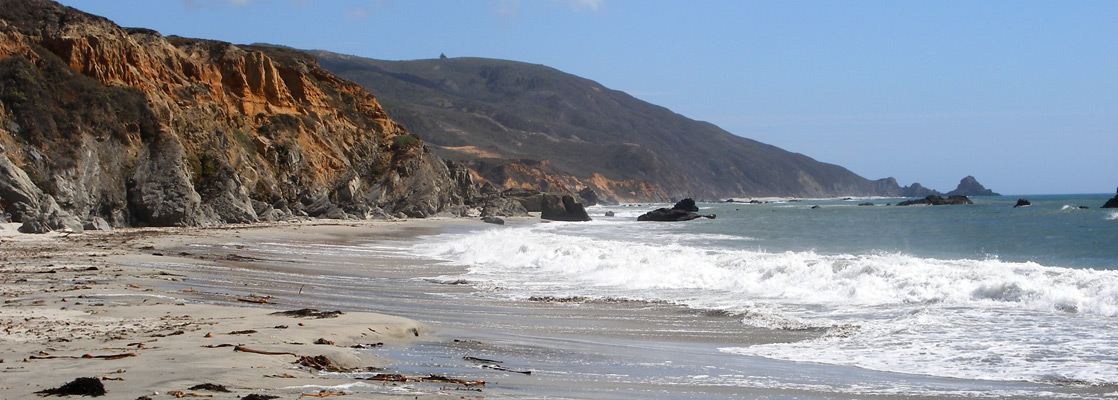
point(1021, 94)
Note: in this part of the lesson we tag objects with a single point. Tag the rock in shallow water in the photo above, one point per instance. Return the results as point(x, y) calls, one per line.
point(566, 208)
point(1112, 203)
point(687, 204)
point(933, 200)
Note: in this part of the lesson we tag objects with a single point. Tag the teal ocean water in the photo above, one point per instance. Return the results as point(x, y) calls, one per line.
point(983, 291)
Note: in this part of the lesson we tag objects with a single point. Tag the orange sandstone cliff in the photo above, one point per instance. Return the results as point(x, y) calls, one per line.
point(104, 125)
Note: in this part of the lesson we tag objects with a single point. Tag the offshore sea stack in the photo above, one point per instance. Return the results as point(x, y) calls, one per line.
point(970, 187)
point(125, 126)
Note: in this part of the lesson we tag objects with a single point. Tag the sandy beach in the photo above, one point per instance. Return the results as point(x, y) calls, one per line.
point(72, 309)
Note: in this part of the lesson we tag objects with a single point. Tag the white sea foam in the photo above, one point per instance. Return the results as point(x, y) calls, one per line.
point(1113, 215)
point(958, 318)
point(535, 259)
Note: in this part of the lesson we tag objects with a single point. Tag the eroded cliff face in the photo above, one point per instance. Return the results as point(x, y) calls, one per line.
point(140, 129)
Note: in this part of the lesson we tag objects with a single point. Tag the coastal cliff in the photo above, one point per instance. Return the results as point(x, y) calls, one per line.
point(126, 126)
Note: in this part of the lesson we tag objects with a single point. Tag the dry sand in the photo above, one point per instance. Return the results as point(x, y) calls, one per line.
point(71, 310)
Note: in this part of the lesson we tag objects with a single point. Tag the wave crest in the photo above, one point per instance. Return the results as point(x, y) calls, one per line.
point(536, 261)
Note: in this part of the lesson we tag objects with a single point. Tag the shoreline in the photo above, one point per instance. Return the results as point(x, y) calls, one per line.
point(158, 281)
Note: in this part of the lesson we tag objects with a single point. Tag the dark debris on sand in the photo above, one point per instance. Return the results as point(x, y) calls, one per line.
point(210, 387)
point(255, 396)
point(309, 313)
point(77, 387)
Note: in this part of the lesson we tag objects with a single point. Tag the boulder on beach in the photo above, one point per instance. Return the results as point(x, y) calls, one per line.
point(493, 220)
point(554, 208)
point(1022, 203)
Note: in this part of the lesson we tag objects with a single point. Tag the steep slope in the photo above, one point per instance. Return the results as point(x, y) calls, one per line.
point(135, 128)
point(497, 114)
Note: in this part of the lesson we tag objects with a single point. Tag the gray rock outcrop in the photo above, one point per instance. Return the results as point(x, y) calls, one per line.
point(566, 208)
point(17, 190)
point(159, 191)
point(51, 217)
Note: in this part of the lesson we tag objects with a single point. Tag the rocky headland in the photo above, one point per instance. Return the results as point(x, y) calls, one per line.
point(520, 125)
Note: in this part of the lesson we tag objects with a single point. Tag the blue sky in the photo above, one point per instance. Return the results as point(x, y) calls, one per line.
point(1021, 94)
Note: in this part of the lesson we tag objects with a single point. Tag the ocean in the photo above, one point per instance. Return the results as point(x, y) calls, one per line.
point(778, 300)
point(984, 291)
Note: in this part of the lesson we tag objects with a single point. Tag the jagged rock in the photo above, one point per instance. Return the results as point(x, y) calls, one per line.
point(97, 224)
point(933, 200)
point(1022, 203)
point(51, 218)
point(686, 205)
point(502, 207)
point(159, 191)
point(671, 215)
point(493, 220)
point(588, 196)
point(1112, 203)
point(17, 190)
point(349, 190)
point(320, 206)
point(917, 190)
point(5, 218)
point(530, 199)
point(229, 207)
point(970, 187)
point(566, 208)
